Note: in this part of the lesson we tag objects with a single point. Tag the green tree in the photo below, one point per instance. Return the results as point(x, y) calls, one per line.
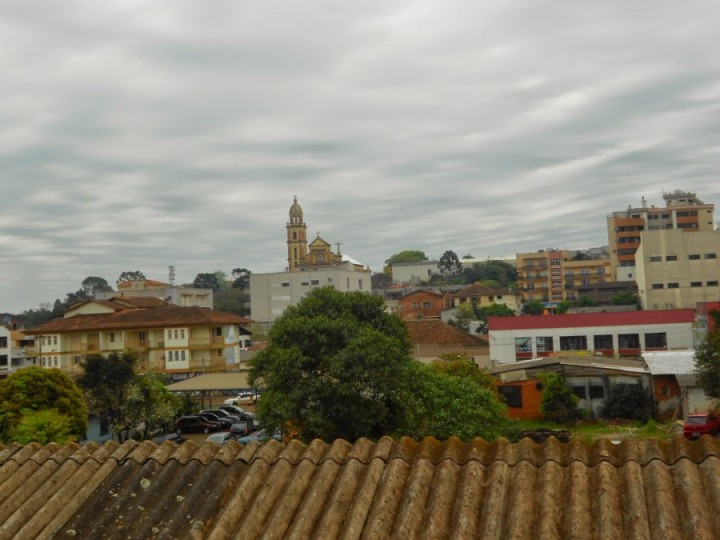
point(132, 275)
point(233, 300)
point(463, 314)
point(460, 365)
point(207, 281)
point(627, 401)
point(625, 299)
point(707, 360)
point(105, 381)
point(410, 255)
point(149, 403)
point(241, 278)
point(335, 367)
point(449, 265)
point(44, 426)
point(380, 280)
point(493, 310)
point(558, 403)
point(442, 405)
point(533, 307)
point(502, 273)
point(36, 389)
point(94, 284)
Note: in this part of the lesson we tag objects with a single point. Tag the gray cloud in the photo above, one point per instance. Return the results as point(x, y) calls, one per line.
point(135, 135)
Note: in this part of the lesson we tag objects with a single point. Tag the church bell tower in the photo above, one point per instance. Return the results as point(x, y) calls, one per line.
point(296, 238)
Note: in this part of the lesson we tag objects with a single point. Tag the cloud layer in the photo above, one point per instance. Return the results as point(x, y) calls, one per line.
point(135, 135)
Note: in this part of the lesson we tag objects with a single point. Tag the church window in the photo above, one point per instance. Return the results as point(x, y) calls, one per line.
point(294, 236)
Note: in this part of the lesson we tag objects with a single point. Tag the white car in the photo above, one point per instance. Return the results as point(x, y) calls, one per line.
point(221, 437)
point(246, 398)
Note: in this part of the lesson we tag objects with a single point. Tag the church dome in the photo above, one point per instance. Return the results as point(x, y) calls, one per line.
point(296, 209)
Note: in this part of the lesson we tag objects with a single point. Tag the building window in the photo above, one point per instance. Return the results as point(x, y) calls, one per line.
point(673, 285)
point(285, 284)
point(597, 392)
point(573, 343)
point(329, 280)
point(712, 283)
point(655, 258)
point(711, 255)
point(512, 395)
point(182, 355)
point(427, 305)
point(694, 257)
point(671, 258)
point(176, 333)
point(3, 359)
point(658, 286)
point(182, 333)
point(629, 341)
point(112, 337)
point(360, 284)
point(579, 391)
point(54, 340)
point(305, 283)
point(696, 283)
point(523, 344)
point(218, 331)
point(3, 342)
point(219, 352)
point(603, 342)
point(656, 340)
point(314, 282)
point(544, 344)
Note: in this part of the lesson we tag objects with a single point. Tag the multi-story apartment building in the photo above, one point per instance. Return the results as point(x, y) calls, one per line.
point(676, 270)
point(166, 338)
point(16, 350)
point(552, 276)
point(682, 211)
point(178, 295)
point(309, 266)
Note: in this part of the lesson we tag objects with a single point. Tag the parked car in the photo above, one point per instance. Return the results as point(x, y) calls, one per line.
point(221, 437)
point(245, 398)
point(242, 428)
point(261, 436)
point(195, 424)
point(240, 414)
point(222, 414)
point(172, 437)
point(224, 422)
point(705, 423)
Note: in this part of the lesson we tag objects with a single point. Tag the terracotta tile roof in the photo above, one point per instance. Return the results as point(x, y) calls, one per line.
point(436, 332)
point(478, 289)
point(148, 283)
point(388, 489)
point(161, 317)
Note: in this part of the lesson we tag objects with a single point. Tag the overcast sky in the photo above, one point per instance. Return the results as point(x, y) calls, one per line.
point(135, 135)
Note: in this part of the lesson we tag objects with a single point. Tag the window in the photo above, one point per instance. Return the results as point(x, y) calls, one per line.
point(603, 342)
point(77, 360)
point(218, 331)
point(629, 341)
point(329, 280)
point(579, 391)
point(512, 395)
point(658, 286)
point(3, 342)
point(415, 305)
point(711, 255)
point(3, 359)
point(573, 343)
point(544, 344)
point(314, 282)
point(285, 284)
point(597, 392)
point(176, 333)
point(694, 257)
point(427, 305)
point(112, 337)
point(656, 340)
point(304, 283)
point(696, 283)
point(712, 283)
point(54, 340)
point(673, 285)
point(182, 333)
point(219, 352)
point(182, 355)
point(523, 344)
point(360, 284)
point(655, 258)
point(671, 258)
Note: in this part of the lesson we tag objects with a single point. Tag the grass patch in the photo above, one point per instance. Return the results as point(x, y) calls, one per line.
point(592, 430)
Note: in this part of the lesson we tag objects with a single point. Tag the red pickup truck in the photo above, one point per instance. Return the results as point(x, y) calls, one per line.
point(705, 423)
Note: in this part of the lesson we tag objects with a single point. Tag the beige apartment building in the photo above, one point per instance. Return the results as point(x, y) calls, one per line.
point(551, 276)
point(676, 270)
point(682, 211)
point(166, 338)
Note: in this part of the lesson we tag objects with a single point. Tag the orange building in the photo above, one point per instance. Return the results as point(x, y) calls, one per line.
point(422, 304)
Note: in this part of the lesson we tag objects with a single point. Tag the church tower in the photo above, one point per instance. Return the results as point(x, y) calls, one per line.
point(296, 238)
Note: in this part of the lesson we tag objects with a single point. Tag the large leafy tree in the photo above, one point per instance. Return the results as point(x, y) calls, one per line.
point(208, 281)
point(34, 389)
point(449, 265)
point(94, 284)
point(501, 273)
point(131, 275)
point(105, 381)
point(707, 360)
point(558, 402)
point(336, 367)
point(150, 404)
point(241, 278)
point(409, 255)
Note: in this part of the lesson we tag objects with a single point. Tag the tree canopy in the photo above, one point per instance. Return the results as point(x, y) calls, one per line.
point(31, 390)
point(334, 368)
point(500, 272)
point(210, 280)
point(105, 381)
point(533, 307)
point(707, 360)
point(558, 402)
point(132, 275)
point(241, 278)
point(409, 255)
point(449, 265)
point(94, 284)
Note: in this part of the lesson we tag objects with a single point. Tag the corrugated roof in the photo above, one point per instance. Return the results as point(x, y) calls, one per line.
point(670, 362)
point(579, 320)
point(388, 489)
point(213, 381)
point(159, 317)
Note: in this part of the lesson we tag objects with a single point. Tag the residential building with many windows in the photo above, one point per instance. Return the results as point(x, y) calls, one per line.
point(166, 338)
point(682, 211)
point(676, 270)
point(552, 276)
point(602, 334)
point(16, 350)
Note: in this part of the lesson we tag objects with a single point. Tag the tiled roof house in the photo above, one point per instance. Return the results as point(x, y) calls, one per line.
point(168, 338)
point(432, 338)
point(384, 489)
